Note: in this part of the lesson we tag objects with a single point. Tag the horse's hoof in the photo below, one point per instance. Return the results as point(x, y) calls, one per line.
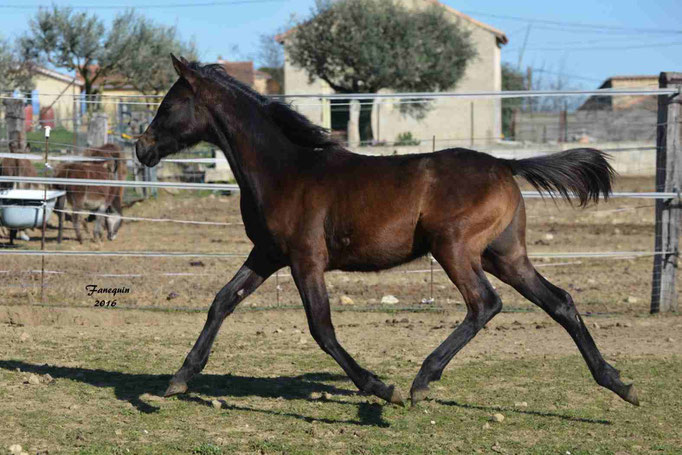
point(175, 388)
point(396, 397)
point(419, 395)
point(630, 395)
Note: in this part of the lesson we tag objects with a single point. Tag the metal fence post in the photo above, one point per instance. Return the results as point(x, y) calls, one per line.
point(668, 179)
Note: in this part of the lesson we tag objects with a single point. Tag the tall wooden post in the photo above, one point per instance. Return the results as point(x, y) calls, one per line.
point(97, 130)
point(15, 118)
point(668, 179)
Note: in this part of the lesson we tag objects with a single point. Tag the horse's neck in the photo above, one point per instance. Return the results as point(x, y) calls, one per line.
point(259, 157)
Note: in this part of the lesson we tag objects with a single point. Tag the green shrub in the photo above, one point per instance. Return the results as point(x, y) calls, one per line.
point(406, 139)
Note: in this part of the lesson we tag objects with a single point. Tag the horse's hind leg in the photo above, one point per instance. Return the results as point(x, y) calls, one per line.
point(250, 276)
point(506, 259)
point(464, 269)
point(76, 221)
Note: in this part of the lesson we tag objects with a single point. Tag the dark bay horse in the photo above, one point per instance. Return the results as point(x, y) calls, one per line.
point(310, 204)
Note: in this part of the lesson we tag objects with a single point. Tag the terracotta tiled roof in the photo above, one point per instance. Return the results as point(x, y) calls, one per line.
point(242, 71)
point(109, 81)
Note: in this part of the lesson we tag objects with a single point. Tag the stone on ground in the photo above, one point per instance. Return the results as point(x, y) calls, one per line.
point(389, 300)
point(345, 300)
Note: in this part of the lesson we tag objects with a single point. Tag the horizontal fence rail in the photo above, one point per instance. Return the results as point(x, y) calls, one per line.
point(235, 187)
point(120, 183)
point(83, 158)
point(189, 254)
point(424, 95)
point(80, 158)
point(406, 98)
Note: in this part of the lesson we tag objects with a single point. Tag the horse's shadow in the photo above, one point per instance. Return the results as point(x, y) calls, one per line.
point(132, 387)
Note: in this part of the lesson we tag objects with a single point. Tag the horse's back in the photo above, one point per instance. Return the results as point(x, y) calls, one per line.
point(389, 210)
point(88, 195)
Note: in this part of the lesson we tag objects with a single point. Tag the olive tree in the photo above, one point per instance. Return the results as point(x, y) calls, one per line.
point(363, 46)
point(147, 69)
point(15, 71)
point(75, 41)
point(271, 58)
point(134, 49)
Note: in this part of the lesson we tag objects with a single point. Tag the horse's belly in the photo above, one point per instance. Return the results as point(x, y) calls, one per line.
point(94, 205)
point(376, 250)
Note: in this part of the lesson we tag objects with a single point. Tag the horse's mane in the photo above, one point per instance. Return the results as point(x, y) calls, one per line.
point(296, 127)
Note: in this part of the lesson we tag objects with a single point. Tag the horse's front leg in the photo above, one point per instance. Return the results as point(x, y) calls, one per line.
point(99, 221)
point(113, 223)
point(309, 277)
point(250, 276)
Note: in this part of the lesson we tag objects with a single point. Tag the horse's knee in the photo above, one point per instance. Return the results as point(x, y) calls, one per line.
point(490, 305)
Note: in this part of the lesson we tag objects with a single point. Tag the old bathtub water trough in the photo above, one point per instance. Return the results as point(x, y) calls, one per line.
point(24, 209)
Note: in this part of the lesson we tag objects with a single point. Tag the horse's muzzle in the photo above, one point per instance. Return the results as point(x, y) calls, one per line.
point(148, 155)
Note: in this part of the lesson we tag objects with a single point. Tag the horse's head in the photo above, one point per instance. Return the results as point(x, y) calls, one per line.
point(181, 120)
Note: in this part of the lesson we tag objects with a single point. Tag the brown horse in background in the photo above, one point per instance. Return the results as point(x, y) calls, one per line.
point(16, 167)
point(117, 166)
point(103, 200)
point(310, 204)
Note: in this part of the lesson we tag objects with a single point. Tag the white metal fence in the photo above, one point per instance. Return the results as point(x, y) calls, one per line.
point(318, 100)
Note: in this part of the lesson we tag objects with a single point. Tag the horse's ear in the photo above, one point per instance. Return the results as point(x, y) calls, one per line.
point(184, 71)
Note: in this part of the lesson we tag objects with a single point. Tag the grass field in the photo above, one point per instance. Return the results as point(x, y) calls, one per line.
point(275, 391)
point(280, 394)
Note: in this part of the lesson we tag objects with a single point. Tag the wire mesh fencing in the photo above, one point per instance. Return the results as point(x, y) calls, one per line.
point(177, 250)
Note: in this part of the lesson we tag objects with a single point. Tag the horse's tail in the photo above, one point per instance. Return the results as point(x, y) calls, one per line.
point(582, 172)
